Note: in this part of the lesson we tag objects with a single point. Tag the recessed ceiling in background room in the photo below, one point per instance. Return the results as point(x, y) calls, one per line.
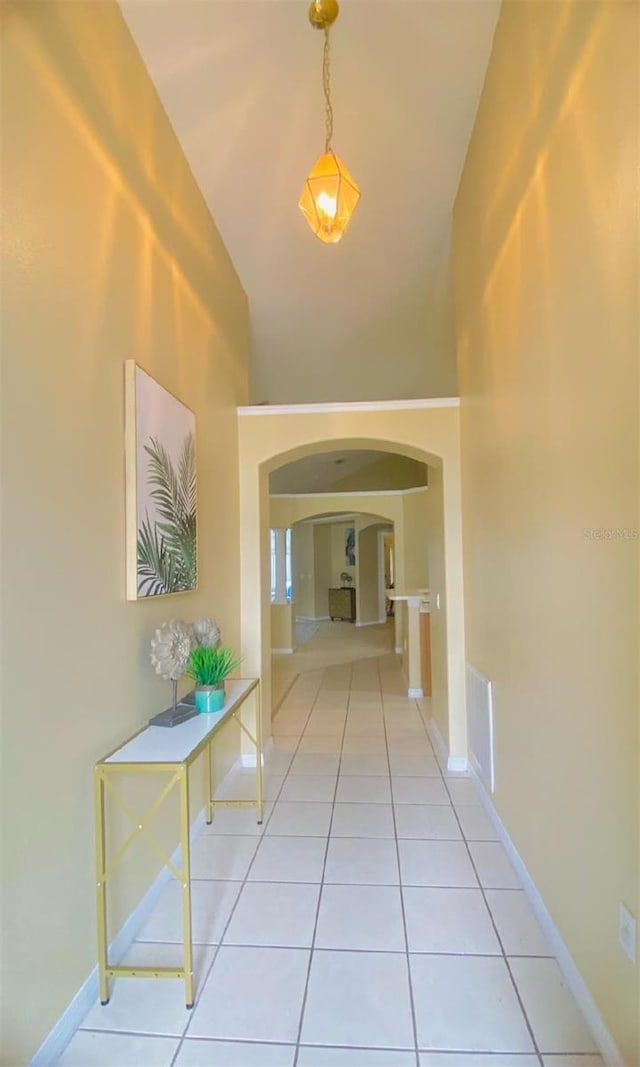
point(351, 471)
point(371, 317)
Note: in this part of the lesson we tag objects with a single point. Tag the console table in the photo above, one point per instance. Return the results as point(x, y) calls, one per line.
point(166, 751)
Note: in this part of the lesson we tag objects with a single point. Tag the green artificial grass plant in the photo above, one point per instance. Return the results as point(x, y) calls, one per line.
point(210, 666)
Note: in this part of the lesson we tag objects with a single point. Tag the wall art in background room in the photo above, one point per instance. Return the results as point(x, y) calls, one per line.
point(350, 547)
point(160, 489)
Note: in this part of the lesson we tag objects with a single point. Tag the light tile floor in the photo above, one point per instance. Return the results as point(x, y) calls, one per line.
point(373, 921)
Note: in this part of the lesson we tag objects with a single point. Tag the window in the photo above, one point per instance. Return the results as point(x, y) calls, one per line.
point(273, 565)
point(288, 576)
point(281, 567)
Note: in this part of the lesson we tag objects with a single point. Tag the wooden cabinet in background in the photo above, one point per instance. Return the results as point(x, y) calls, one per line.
point(342, 604)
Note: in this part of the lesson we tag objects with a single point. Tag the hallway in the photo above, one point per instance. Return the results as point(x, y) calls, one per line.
point(374, 921)
point(326, 644)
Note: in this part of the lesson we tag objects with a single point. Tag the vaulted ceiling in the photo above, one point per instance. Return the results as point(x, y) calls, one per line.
point(371, 317)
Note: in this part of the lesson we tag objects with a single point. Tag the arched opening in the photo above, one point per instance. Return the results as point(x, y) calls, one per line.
point(331, 494)
point(426, 433)
point(257, 626)
point(335, 608)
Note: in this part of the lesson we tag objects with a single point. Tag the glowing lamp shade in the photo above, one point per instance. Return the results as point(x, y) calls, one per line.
point(329, 198)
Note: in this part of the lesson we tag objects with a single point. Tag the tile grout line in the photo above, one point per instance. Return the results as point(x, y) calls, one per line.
point(296, 1044)
point(259, 840)
point(414, 1021)
point(505, 958)
point(375, 951)
point(486, 904)
point(413, 885)
point(322, 882)
point(316, 1045)
point(276, 711)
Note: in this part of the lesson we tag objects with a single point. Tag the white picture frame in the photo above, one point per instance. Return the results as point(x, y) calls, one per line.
point(160, 489)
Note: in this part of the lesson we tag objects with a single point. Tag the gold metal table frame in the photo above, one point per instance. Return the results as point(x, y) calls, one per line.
point(158, 750)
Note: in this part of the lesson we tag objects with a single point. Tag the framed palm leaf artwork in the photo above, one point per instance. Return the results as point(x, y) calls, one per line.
point(161, 490)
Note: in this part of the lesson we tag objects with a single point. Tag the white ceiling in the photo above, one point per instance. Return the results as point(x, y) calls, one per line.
point(369, 318)
point(320, 472)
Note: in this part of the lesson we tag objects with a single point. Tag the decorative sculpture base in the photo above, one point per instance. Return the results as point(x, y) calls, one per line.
point(179, 712)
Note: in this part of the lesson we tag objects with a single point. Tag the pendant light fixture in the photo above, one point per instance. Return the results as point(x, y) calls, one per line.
point(330, 195)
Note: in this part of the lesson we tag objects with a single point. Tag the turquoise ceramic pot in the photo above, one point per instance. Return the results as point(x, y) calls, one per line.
point(210, 698)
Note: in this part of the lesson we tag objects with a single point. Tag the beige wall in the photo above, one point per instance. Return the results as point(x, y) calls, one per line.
point(416, 524)
point(269, 439)
point(304, 570)
point(319, 560)
point(439, 595)
point(282, 637)
point(109, 253)
point(368, 573)
point(389, 554)
point(322, 546)
point(411, 352)
point(338, 559)
point(546, 279)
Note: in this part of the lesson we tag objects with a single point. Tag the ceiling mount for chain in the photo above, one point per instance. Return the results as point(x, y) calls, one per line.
point(322, 13)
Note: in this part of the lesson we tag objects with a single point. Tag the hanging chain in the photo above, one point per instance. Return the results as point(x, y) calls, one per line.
point(326, 85)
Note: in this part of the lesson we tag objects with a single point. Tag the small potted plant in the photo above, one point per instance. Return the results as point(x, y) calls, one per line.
point(209, 666)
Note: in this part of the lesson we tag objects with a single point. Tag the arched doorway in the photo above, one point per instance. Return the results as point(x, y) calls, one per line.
point(332, 608)
point(425, 431)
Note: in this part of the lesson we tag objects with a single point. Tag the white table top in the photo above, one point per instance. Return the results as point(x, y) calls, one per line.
point(406, 594)
point(162, 744)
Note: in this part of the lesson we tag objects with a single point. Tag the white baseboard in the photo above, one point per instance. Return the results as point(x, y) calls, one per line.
point(282, 651)
point(74, 1014)
point(415, 693)
point(248, 759)
point(441, 750)
point(374, 622)
point(312, 618)
point(601, 1035)
point(476, 769)
point(452, 763)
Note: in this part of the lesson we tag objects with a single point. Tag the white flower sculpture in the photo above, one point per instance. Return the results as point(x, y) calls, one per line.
point(170, 649)
point(206, 632)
